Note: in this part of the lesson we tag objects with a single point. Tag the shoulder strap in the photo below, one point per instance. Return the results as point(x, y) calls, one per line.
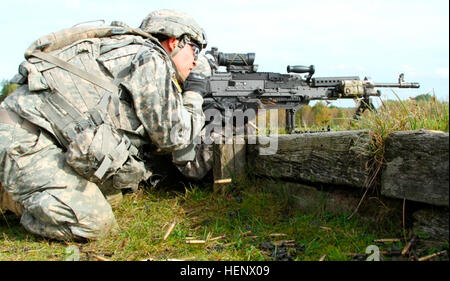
point(105, 84)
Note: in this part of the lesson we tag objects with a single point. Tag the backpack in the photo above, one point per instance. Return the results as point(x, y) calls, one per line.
point(80, 69)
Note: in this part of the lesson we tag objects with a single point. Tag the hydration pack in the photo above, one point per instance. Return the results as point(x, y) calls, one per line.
point(80, 70)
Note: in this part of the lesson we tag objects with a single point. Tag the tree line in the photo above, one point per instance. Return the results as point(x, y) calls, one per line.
point(7, 88)
point(320, 115)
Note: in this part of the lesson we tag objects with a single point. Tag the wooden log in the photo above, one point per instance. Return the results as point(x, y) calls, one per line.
point(434, 222)
point(417, 167)
point(229, 162)
point(330, 157)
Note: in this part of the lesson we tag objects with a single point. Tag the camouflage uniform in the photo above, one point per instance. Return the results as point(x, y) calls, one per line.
point(53, 197)
point(38, 173)
point(203, 161)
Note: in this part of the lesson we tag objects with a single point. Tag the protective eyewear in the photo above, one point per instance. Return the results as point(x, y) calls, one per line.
point(196, 49)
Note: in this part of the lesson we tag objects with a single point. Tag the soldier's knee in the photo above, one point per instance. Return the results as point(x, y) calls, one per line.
point(48, 209)
point(49, 216)
point(95, 229)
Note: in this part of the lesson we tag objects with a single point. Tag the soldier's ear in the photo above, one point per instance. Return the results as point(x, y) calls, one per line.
point(172, 43)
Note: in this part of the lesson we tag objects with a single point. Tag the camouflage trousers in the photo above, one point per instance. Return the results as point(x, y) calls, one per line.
point(55, 201)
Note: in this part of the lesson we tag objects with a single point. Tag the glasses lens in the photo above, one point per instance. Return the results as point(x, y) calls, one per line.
point(196, 50)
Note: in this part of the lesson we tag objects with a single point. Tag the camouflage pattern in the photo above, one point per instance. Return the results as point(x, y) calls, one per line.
point(172, 120)
point(200, 165)
point(66, 37)
point(352, 88)
point(56, 201)
point(203, 66)
point(174, 24)
point(203, 160)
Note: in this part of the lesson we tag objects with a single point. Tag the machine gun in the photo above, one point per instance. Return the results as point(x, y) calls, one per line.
point(241, 86)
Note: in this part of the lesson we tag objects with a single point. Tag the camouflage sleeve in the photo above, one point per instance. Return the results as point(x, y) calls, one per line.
point(193, 101)
point(203, 66)
point(159, 103)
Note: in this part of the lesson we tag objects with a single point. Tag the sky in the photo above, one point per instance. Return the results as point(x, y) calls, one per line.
point(378, 39)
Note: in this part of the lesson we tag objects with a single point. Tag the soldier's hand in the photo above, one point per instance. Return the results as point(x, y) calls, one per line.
point(196, 82)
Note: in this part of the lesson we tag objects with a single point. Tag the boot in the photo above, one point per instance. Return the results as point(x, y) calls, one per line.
point(7, 204)
point(113, 195)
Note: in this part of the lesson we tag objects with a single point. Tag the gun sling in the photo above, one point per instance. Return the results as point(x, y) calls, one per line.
point(110, 87)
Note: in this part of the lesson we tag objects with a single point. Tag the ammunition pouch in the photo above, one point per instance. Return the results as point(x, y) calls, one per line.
point(97, 153)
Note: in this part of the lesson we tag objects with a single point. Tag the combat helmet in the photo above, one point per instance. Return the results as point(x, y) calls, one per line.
point(174, 24)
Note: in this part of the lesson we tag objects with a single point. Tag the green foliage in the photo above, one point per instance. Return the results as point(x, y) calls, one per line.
point(424, 97)
point(7, 88)
point(320, 115)
point(422, 112)
point(244, 221)
point(202, 214)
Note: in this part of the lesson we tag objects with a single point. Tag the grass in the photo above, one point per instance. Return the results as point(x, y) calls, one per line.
point(405, 115)
point(246, 219)
point(400, 115)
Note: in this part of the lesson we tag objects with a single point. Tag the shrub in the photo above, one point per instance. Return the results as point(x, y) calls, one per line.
point(7, 88)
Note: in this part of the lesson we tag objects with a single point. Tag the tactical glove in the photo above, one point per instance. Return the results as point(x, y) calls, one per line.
point(196, 82)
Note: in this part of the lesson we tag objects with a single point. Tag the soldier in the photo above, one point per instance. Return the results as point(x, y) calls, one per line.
point(202, 163)
point(90, 102)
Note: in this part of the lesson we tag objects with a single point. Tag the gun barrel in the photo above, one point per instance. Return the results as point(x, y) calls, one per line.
point(396, 85)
